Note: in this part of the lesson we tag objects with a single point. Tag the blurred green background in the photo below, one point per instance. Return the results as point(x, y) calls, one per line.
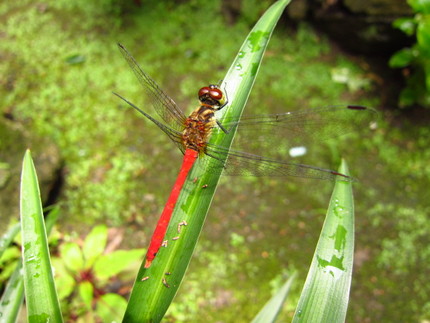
point(103, 163)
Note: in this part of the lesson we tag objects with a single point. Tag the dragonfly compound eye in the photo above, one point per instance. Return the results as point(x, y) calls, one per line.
point(204, 91)
point(216, 94)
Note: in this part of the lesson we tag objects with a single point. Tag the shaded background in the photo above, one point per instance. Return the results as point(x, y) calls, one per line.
point(103, 163)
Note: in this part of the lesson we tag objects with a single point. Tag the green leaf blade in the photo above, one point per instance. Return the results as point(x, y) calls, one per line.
point(72, 256)
point(156, 286)
point(40, 294)
point(113, 263)
point(11, 300)
point(423, 35)
point(422, 6)
point(405, 24)
point(326, 291)
point(86, 292)
point(94, 244)
point(402, 58)
point(8, 237)
point(271, 310)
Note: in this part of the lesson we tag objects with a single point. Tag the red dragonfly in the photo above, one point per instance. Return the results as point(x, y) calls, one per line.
point(191, 135)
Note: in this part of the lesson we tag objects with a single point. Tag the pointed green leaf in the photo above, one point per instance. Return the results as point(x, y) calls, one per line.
point(271, 310)
point(406, 24)
point(11, 300)
point(112, 264)
point(64, 280)
point(422, 6)
point(41, 297)
point(423, 35)
point(72, 256)
point(13, 296)
point(402, 58)
point(326, 292)
point(156, 286)
point(86, 293)
point(8, 237)
point(94, 245)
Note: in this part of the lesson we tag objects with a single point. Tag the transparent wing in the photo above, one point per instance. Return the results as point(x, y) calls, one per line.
point(273, 135)
point(174, 135)
point(268, 134)
point(162, 103)
point(244, 164)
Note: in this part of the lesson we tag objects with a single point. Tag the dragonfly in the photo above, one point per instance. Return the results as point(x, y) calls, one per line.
point(191, 135)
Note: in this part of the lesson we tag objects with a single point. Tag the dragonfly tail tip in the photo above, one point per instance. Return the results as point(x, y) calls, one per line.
point(148, 263)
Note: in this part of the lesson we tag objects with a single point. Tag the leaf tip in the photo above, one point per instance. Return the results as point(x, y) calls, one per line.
point(343, 168)
point(27, 153)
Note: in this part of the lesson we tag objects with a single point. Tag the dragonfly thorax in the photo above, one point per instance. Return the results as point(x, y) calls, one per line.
point(198, 127)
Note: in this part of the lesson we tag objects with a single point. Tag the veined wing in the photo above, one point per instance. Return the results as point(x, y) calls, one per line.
point(166, 108)
point(266, 134)
point(244, 164)
point(174, 135)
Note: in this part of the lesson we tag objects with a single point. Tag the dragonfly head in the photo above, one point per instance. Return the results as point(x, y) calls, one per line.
point(213, 96)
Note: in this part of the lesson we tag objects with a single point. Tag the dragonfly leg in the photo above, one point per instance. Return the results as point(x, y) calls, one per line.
point(222, 106)
point(226, 131)
point(226, 98)
point(215, 157)
point(222, 127)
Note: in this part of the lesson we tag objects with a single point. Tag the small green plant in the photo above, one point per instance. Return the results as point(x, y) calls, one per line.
point(417, 57)
point(85, 274)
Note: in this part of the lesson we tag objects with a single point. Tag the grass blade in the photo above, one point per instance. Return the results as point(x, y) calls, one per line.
point(40, 294)
point(325, 294)
point(12, 298)
point(13, 295)
point(151, 297)
point(8, 237)
point(271, 310)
